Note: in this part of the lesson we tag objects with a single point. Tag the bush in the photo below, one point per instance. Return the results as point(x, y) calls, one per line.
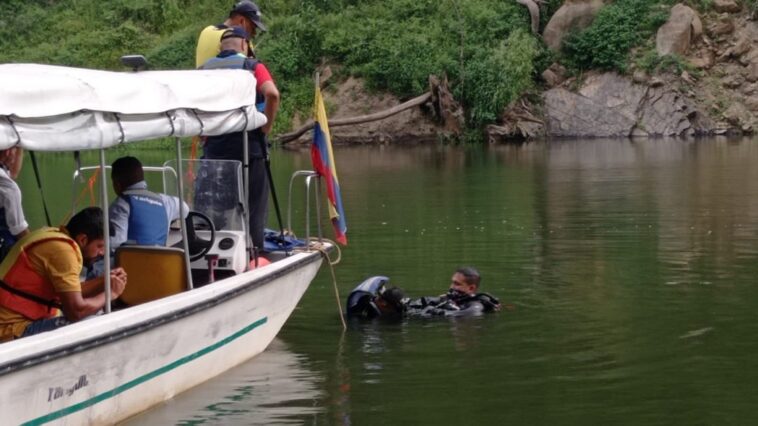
point(500, 76)
point(617, 28)
point(752, 6)
point(652, 63)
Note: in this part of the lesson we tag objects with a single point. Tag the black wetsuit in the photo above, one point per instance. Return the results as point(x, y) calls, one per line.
point(453, 304)
point(362, 302)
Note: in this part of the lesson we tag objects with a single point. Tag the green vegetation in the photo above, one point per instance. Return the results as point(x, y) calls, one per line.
point(752, 7)
point(652, 63)
point(617, 28)
point(483, 46)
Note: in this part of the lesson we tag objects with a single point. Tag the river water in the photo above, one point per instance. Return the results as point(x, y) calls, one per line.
point(628, 269)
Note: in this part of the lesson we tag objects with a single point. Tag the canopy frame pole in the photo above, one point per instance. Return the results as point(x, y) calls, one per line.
point(182, 222)
point(15, 130)
point(252, 251)
point(106, 234)
point(197, 117)
point(121, 129)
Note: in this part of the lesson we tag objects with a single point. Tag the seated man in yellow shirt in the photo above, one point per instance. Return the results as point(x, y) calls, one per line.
point(39, 279)
point(245, 14)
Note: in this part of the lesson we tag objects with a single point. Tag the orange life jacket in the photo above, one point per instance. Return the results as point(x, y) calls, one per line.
point(23, 290)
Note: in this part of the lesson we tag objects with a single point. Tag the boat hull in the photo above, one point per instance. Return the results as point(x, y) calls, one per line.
point(108, 368)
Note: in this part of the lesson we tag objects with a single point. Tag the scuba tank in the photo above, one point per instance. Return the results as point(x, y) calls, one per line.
point(362, 300)
point(373, 299)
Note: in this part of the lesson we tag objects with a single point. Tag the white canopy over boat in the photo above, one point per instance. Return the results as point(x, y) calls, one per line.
point(54, 108)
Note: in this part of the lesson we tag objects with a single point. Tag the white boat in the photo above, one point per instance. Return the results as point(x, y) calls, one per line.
point(112, 366)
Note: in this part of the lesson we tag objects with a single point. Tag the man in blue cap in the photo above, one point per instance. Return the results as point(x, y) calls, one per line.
point(234, 55)
point(244, 14)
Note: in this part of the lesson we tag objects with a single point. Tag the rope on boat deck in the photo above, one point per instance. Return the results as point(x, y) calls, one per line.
point(314, 243)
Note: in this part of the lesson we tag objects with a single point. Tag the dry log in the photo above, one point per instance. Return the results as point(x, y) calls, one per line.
point(446, 109)
point(534, 12)
point(289, 137)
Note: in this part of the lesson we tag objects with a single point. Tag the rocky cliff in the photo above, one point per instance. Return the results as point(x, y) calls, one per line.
point(714, 89)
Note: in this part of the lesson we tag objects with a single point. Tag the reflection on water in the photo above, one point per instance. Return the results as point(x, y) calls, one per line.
point(276, 388)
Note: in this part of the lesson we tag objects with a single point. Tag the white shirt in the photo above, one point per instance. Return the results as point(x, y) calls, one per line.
point(10, 200)
point(119, 213)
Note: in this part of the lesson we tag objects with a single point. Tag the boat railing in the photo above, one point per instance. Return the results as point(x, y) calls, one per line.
point(308, 177)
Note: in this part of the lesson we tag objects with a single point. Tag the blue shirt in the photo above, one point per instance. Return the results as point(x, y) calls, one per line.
point(119, 213)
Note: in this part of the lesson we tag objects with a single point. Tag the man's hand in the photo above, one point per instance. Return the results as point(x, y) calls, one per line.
point(118, 282)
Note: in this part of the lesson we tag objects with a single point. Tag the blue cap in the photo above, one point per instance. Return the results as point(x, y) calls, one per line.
point(237, 32)
point(250, 11)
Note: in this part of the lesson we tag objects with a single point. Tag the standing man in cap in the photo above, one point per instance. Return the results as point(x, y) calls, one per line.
point(234, 55)
point(244, 14)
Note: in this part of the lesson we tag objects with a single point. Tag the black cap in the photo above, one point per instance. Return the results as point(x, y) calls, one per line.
point(237, 32)
point(250, 11)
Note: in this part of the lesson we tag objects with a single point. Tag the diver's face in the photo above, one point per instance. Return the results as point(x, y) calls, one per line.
point(458, 283)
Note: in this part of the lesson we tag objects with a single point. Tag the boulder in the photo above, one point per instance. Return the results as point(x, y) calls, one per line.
point(688, 77)
point(572, 16)
point(742, 46)
point(751, 73)
point(726, 6)
point(749, 57)
point(704, 60)
point(554, 75)
point(751, 103)
point(737, 114)
point(665, 113)
point(675, 36)
point(639, 77)
point(604, 107)
point(733, 81)
point(609, 105)
point(720, 27)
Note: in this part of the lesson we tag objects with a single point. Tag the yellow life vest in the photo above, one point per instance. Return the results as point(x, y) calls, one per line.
point(23, 289)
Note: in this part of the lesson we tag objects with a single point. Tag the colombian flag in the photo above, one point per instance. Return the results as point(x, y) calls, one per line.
point(323, 162)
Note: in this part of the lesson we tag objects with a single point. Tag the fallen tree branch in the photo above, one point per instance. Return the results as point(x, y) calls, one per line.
point(534, 13)
point(289, 137)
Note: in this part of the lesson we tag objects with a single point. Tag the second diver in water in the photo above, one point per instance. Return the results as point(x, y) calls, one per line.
point(372, 299)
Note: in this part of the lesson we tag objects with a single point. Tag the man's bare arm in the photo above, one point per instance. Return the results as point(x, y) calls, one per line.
point(271, 93)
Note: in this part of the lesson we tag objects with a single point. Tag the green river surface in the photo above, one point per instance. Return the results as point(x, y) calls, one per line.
point(628, 269)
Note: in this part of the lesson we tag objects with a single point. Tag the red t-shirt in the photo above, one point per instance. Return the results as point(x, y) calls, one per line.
point(261, 75)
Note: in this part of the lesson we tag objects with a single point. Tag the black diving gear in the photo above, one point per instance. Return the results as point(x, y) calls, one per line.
point(453, 303)
point(372, 299)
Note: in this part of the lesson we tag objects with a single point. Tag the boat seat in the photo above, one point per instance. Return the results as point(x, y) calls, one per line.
point(152, 272)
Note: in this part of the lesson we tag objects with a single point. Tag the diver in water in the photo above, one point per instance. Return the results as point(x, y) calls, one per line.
point(371, 299)
point(462, 298)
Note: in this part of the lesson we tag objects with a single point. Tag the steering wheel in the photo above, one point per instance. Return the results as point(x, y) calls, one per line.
point(198, 247)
